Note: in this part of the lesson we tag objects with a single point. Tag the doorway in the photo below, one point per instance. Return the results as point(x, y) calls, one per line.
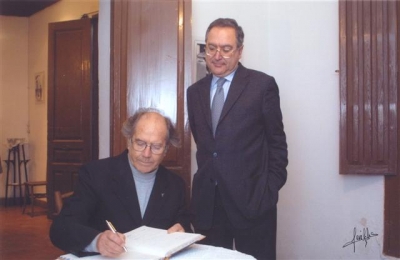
point(73, 103)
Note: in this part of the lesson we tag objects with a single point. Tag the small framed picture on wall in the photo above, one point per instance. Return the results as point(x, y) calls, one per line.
point(39, 87)
point(201, 69)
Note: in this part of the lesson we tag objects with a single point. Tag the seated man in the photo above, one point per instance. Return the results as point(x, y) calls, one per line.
point(129, 190)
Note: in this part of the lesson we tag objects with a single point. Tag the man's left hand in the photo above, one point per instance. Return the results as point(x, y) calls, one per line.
point(176, 228)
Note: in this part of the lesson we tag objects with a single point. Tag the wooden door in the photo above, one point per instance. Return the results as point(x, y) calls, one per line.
point(151, 67)
point(73, 103)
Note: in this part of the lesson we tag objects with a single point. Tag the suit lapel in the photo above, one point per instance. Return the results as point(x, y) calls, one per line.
point(124, 188)
point(204, 95)
point(239, 83)
point(157, 197)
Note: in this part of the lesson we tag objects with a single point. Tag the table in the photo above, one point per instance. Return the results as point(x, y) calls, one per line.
point(195, 251)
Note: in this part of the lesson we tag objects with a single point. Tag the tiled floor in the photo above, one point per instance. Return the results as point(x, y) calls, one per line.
point(24, 237)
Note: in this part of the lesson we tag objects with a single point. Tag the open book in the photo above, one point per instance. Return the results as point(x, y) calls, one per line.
point(150, 243)
point(146, 243)
point(158, 243)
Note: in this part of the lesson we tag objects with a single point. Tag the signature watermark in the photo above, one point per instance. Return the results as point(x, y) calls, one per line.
point(364, 236)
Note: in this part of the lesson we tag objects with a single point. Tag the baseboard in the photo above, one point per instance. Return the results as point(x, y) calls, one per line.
point(42, 202)
point(18, 201)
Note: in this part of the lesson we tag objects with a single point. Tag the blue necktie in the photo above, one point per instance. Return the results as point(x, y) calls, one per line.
point(217, 103)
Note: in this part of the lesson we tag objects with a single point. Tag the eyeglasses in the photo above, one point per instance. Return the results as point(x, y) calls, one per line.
point(140, 146)
point(225, 52)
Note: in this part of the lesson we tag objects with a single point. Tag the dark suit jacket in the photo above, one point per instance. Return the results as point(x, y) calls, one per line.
point(248, 156)
point(106, 191)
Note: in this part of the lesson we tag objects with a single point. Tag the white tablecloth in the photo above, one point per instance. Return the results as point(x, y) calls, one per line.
point(195, 251)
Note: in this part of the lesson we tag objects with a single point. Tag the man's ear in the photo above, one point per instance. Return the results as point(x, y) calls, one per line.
point(129, 143)
point(240, 50)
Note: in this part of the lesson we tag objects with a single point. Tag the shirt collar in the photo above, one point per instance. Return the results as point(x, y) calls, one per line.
point(228, 77)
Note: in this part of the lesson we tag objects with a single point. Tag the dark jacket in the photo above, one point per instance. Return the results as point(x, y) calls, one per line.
point(247, 159)
point(106, 191)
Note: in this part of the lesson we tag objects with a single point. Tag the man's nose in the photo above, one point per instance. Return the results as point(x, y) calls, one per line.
point(147, 151)
point(218, 55)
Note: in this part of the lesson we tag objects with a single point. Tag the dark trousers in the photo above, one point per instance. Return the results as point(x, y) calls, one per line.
point(259, 240)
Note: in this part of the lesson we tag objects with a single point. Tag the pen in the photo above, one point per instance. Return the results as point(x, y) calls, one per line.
point(112, 228)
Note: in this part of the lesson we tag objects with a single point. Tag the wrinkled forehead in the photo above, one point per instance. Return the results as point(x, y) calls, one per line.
point(151, 125)
point(222, 36)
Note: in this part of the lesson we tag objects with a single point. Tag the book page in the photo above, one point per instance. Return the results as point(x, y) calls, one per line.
point(158, 242)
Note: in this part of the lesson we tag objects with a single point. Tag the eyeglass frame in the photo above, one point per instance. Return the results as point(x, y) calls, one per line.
point(218, 49)
point(133, 142)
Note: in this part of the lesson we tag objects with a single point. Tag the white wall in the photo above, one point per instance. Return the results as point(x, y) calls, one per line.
point(104, 78)
point(64, 10)
point(297, 43)
point(13, 85)
point(24, 53)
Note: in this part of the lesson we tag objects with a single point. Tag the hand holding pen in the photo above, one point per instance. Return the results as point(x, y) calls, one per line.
point(112, 228)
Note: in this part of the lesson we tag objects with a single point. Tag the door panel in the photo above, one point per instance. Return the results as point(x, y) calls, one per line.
point(151, 67)
point(72, 107)
point(152, 61)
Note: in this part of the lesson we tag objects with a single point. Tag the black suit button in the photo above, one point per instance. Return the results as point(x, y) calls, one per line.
point(215, 155)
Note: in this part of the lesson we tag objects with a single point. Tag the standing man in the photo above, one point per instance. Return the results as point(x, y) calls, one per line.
point(129, 190)
point(236, 122)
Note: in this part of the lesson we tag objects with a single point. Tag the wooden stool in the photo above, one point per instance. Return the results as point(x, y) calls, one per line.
point(14, 160)
point(32, 195)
